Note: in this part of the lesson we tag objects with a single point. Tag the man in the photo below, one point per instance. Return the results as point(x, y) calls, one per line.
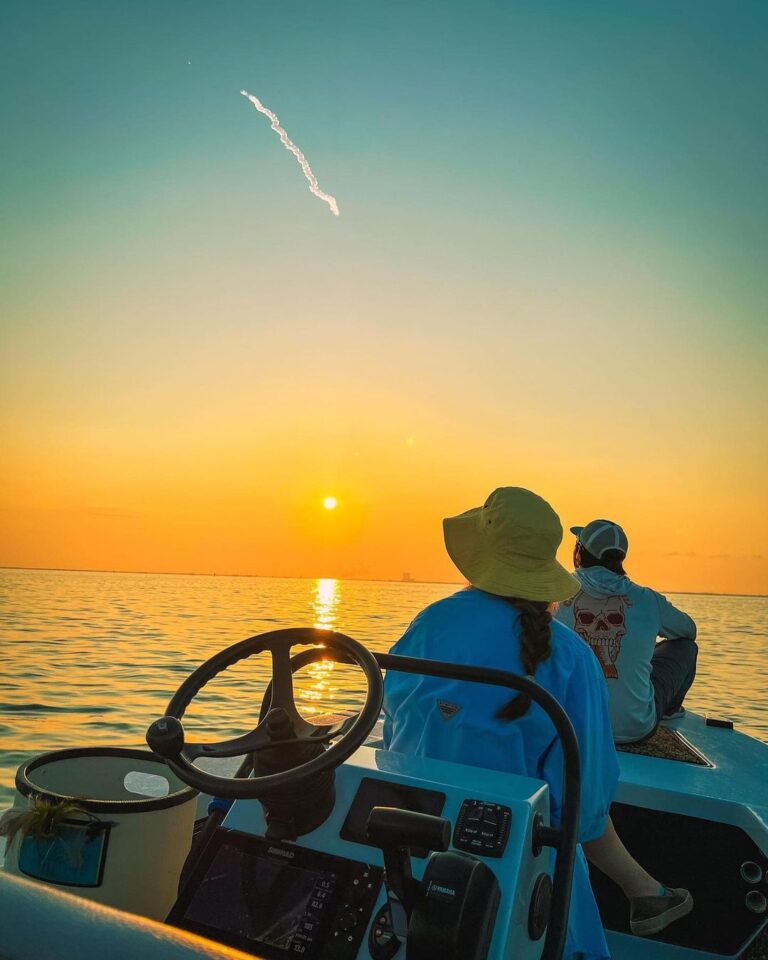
point(620, 620)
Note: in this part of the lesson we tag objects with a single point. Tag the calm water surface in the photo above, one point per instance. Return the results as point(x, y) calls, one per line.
point(93, 658)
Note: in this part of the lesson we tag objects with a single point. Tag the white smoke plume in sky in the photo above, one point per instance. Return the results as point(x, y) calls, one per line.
point(290, 145)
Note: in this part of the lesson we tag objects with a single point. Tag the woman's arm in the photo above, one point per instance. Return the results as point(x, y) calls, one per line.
point(586, 703)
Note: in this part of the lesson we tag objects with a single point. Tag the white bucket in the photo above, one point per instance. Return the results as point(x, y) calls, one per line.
point(126, 845)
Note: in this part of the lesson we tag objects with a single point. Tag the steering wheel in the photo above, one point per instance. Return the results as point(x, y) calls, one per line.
point(281, 726)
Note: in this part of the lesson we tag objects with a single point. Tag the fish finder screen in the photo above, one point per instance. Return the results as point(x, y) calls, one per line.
point(262, 899)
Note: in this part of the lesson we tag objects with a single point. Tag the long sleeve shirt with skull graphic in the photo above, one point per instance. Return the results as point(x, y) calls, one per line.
point(621, 621)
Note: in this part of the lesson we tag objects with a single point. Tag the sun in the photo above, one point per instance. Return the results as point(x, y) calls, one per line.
point(330, 503)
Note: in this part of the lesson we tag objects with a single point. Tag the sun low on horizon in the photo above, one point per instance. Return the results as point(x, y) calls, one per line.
point(287, 333)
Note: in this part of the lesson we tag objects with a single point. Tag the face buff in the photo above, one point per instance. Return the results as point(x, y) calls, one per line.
point(289, 145)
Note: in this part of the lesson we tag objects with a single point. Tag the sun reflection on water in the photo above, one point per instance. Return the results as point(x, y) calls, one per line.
point(325, 603)
point(315, 688)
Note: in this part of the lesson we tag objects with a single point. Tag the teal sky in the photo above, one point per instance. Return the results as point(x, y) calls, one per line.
point(553, 239)
point(523, 131)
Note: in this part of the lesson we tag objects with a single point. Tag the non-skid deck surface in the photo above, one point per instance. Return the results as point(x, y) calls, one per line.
point(665, 743)
point(759, 949)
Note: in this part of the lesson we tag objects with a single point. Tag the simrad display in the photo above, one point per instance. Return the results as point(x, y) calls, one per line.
point(383, 793)
point(264, 900)
point(278, 900)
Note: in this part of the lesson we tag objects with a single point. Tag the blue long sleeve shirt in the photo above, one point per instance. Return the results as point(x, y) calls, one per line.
point(454, 720)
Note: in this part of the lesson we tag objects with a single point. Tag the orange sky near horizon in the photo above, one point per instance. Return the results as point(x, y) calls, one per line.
point(136, 445)
point(209, 504)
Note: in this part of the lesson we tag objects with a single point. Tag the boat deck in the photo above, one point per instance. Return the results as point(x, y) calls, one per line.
point(759, 949)
point(731, 786)
point(692, 807)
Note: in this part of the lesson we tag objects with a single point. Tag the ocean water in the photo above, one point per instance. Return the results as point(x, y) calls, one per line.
point(93, 658)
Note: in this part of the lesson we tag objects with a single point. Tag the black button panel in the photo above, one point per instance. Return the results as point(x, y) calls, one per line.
point(353, 912)
point(482, 828)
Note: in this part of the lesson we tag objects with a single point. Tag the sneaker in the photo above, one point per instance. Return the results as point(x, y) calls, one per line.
point(649, 915)
point(674, 714)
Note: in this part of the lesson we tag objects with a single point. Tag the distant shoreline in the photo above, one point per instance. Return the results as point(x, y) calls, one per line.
point(274, 576)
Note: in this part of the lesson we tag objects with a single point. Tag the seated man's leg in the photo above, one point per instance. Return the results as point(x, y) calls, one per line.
point(673, 668)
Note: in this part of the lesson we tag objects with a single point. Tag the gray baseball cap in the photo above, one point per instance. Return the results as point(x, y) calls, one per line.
point(600, 536)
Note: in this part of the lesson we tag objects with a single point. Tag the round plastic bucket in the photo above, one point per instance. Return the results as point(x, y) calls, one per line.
point(125, 841)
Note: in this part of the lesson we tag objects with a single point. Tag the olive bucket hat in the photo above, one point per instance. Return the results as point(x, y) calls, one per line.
point(508, 547)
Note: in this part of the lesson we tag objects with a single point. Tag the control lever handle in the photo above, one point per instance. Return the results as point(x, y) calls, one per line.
point(395, 831)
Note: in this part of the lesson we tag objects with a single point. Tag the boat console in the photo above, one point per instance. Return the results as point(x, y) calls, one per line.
point(323, 896)
point(334, 850)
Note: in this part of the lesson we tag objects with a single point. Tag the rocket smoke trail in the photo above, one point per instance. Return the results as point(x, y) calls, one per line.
point(289, 145)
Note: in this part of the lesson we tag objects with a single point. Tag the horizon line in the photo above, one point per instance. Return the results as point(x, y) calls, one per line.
point(277, 576)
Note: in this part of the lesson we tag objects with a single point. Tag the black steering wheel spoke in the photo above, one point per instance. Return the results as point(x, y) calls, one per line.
point(282, 680)
point(330, 731)
point(257, 739)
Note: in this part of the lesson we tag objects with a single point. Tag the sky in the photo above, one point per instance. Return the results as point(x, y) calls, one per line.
point(549, 271)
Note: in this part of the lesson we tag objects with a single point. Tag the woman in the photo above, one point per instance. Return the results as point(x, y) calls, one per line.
point(506, 550)
point(620, 620)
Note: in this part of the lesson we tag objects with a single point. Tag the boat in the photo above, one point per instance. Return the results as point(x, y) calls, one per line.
point(322, 844)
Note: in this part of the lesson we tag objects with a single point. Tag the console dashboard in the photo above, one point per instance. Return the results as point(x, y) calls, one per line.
point(322, 897)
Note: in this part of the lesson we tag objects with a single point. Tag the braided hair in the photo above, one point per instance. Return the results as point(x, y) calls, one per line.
point(535, 647)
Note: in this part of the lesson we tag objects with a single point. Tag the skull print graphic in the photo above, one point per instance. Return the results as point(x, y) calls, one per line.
point(601, 623)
